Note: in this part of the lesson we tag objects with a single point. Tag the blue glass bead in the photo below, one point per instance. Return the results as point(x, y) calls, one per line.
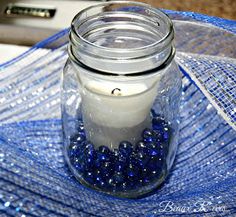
point(89, 177)
point(77, 164)
point(148, 135)
point(112, 184)
point(81, 133)
point(153, 149)
point(142, 158)
point(158, 123)
point(149, 139)
point(86, 161)
point(106, 169)
point(166, 134)
point(89, 149)
point(133, 160)
point(102, 184)
point(145, 180)
point(117, 178)
point(91, 153)
point(141, 147)
point(78, 139)
point(80, 126)
point(132, 184)
point(155, 164)
point(145, 176)
point(153, 152)
point(102, 157)
point(79, 167)
point(125, 148)
point(154, 175)
point(158, 143)
point(159, 135)
point(114, 156)
point(144, 172)
point(154, 113)
point(162, 151)
point(98, 179)
point(74, 160)
point(89, 162)
point(73, 150)
point(115, 153)
point(97, 162)
point(121, 163)
point(99, 182)
point(116, 181)
point(125, 186)
point(132, 172)
point(104, 149)
point(119, 166)
point(104, 154)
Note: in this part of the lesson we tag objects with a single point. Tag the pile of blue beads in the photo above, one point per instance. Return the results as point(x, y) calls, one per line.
point(127, 168)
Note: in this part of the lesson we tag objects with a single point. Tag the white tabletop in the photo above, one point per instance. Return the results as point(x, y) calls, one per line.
point(9, 51)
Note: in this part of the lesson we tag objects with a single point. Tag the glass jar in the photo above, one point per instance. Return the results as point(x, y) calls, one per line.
point(120, 98)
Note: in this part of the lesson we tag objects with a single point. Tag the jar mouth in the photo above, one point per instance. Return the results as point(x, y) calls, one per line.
point(123, 31)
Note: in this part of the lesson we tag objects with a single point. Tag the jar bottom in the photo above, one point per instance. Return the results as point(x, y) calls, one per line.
point(131, 171)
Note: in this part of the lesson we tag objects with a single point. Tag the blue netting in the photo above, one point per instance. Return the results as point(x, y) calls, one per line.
point(229, 25)
point(34, 179)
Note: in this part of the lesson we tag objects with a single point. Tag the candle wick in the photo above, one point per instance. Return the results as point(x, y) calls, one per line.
point(114, 90)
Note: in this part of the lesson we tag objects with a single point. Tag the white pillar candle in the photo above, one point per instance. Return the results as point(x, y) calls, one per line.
point(114, 112)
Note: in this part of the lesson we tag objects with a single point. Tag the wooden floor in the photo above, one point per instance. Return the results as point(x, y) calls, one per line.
point(219, 8)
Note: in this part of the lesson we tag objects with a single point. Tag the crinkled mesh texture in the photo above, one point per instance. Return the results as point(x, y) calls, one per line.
point(34, 179)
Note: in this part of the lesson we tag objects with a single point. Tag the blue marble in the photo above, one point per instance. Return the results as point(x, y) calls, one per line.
point(107, 168)
point(148, 135)
point(78, 138)
point(103, 154)
point(116, 180)
point(89, 176)
point(132, 172)
point(77, 164)
point(73, 150)
point(81, 126)
point(119, 166)
point(166, 133)
point(158, 123)
point(89, 150)
point(125, 148)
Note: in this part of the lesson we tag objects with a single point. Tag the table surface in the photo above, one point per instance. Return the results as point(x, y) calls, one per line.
point(9, 51)
point(220, 8)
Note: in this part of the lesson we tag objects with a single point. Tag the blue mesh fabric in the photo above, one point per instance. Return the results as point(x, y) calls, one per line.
point(229, 25)
point(34, 179)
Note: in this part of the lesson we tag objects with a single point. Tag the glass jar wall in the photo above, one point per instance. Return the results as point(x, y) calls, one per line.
point(120, 98)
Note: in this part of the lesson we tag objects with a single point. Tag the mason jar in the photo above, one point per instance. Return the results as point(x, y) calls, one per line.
point(120, 98)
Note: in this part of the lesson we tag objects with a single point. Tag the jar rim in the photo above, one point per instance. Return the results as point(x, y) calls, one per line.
point(161, 43)
point(146, 36)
